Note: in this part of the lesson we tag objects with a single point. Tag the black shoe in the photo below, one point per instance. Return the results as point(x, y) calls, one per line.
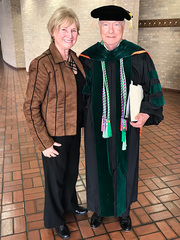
point(125, 223)
point(63, 231)
point(80, 210)
point(96, 220)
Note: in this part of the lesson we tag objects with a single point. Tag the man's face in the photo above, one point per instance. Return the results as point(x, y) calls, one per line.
point(111, 33)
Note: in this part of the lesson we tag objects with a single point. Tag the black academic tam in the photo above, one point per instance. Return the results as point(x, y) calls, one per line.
point(111, 13)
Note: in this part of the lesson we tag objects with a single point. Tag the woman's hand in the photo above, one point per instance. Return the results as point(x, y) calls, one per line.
point(141, 119)
point(51, 152)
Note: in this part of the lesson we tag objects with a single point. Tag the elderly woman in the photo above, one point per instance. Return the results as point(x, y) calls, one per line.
point(54, 112)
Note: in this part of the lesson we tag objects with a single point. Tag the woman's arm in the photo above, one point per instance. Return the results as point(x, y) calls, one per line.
point(35, 94)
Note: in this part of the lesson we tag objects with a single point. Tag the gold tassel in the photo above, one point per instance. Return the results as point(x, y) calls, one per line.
point(130, 23)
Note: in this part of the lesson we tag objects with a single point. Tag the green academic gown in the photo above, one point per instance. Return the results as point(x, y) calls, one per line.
point(112, 173)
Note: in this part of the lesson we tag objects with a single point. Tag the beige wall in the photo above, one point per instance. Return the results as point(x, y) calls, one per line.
point(11, 33)
point(26, 20)
point(163, 43)
point(6, 30)
point(159, 9)
point(35, 15)
point(24, 34)
point(18, 33)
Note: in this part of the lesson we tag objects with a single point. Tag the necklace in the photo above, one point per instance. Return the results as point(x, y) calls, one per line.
point(72, 64)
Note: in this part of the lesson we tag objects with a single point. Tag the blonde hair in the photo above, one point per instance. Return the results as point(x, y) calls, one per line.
point(61, 15)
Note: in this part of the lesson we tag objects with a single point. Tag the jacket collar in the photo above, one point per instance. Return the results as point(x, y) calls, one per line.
point(55, 53)
point(59, 59)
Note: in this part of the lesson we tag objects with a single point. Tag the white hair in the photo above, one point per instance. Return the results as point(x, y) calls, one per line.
point(123, 22)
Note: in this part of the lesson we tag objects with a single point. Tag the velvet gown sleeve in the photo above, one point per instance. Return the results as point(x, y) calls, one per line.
point(88, 68)
point(144, 73)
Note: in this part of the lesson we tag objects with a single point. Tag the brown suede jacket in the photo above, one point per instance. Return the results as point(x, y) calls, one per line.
point(50, 107)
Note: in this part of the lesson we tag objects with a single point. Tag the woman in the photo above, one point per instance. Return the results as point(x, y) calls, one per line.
point(54, 112)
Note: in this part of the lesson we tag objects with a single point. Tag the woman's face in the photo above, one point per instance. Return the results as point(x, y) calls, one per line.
point(66, 36)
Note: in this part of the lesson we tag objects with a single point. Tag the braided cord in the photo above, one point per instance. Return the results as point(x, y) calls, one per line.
point(123, 122)
point(106, 124)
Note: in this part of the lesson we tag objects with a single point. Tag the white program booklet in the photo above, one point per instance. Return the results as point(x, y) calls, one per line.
point(134, 101)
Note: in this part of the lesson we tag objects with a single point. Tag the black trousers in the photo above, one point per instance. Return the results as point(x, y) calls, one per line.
point(61, 174)
point(126, 213)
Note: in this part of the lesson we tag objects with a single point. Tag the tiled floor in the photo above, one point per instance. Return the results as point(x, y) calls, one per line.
point(156, 215)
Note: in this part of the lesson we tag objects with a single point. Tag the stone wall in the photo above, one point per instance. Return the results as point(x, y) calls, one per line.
point(18, 33)
point(163, 42)
point(24, 33)
point(35, 15)
point(11, 33)
point(6, 32)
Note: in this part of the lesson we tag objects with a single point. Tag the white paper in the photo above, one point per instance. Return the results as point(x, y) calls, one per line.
point(135, 98)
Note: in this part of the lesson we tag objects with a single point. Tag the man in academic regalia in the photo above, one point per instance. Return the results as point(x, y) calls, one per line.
point(112, 142)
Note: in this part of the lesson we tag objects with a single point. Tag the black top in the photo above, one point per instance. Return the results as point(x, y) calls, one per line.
point(80, 99)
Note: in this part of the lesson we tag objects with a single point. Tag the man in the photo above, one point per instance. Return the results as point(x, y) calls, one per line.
point(111, 142)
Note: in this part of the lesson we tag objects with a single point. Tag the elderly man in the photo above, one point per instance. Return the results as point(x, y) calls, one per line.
point(112, 142)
